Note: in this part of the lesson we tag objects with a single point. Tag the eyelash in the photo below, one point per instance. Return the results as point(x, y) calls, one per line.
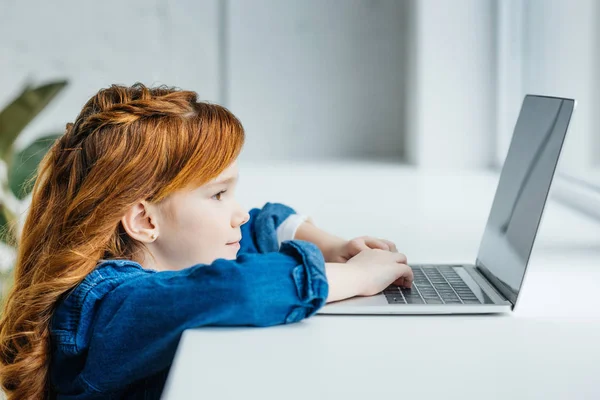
point(218, 194)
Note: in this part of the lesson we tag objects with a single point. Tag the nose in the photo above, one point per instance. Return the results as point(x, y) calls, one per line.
point(240, 217)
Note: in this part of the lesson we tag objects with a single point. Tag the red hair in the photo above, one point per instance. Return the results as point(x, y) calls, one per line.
point(127, 144)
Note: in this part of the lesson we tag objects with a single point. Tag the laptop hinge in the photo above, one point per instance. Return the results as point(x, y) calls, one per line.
point(496, 283)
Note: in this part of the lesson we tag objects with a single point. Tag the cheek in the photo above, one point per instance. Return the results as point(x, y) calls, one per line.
point(195, 228)
point(204, 226)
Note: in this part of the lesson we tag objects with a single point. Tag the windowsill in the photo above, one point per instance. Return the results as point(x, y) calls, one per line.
point(579, 195)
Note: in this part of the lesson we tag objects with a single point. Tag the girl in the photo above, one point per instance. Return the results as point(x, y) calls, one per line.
point(134, 235)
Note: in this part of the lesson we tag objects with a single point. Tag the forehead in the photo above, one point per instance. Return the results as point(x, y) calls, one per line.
point(231, 172)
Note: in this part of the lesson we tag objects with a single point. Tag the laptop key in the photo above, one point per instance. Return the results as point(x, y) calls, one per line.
point(446, 268)
point(411, 300)
point(447, 294)
point(434, 301)
point(395, 300)
point(446, 298)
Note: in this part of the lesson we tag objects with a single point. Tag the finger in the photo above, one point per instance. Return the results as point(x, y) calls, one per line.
point(409, 277)
point(399, 281)
point(399, 258)
point(342, 259)
point(406, 277)
point(355, 246)
point(403, 282)
point(375, 243)
point(390, 244)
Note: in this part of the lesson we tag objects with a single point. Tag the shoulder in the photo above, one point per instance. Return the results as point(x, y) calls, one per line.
point(74, 313)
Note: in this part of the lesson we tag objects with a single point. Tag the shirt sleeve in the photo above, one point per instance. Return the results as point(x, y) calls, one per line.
point(260, 233)
point(287, 229)
point(139, 323)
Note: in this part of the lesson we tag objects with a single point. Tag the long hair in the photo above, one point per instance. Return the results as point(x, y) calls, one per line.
point(127, 144)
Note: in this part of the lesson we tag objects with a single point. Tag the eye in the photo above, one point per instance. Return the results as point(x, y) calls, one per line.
point(219, 195)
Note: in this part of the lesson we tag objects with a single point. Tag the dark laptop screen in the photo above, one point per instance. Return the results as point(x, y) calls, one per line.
point(522, 191)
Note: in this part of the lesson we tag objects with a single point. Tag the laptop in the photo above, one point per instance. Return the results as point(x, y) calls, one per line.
point(493, 282)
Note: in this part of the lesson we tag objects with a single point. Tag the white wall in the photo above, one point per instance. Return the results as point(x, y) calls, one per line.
point(556, 53)
point(318, 79)
point(560, 58)
point(453, 84)
point(95, 44)
point(509, 83)
point(308, 79)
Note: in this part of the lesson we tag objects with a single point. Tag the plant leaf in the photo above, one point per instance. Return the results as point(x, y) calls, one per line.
point(22, 110)
point(24, 166)
point(3, 225)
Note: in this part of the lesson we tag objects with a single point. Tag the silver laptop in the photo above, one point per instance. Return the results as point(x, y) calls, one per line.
point(493, 282)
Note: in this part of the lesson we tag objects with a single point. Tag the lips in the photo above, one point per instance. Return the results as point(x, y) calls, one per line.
point(236, 242)
point(235, 245)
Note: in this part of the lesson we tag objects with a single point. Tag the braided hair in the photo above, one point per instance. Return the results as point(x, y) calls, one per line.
point(127, 144)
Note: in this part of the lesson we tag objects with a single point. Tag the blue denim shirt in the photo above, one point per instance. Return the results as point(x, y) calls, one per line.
point(115, 334)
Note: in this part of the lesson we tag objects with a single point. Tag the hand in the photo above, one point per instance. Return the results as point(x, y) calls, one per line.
point(345, 250)
point(378, 269)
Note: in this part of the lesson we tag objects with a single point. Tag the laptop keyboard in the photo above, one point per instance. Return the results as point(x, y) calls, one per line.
point(433, 285)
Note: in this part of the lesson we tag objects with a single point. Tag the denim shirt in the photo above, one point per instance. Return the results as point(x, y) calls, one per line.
point(115, 334)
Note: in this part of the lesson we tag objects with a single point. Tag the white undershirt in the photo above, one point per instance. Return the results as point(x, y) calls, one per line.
point(287, 229)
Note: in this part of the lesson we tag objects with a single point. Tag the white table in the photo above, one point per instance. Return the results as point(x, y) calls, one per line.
point(549, 348)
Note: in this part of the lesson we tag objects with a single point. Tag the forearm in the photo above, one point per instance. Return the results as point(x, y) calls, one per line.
point(344, 281)
point(325, 241)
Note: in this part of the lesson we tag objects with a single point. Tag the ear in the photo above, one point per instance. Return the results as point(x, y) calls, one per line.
point(140, 222)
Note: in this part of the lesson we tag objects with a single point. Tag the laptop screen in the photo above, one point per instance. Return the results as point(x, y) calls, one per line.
point(522, 191)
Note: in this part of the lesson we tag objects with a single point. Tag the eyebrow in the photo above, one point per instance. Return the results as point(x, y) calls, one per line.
point(225, 181)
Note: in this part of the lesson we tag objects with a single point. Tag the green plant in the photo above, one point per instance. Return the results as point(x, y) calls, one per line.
point(18, 168)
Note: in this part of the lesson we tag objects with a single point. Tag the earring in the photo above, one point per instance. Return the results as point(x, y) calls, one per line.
point(153, 236)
